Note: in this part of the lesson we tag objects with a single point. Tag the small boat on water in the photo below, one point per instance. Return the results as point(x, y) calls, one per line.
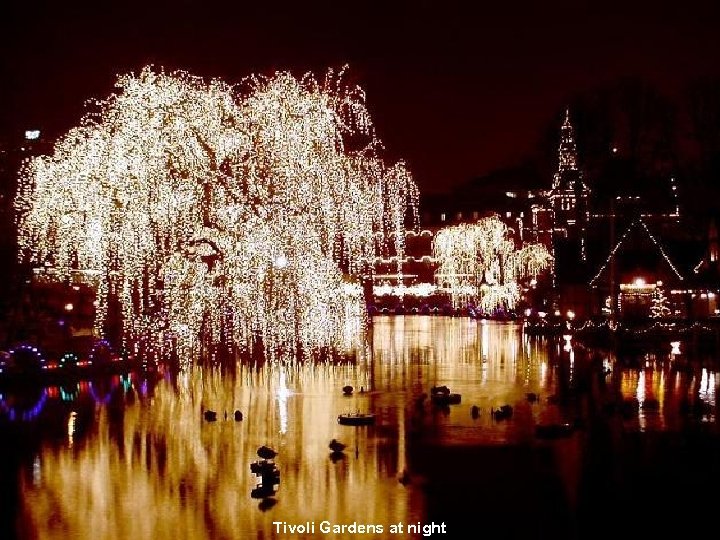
point(347, 390)
point(356, 419)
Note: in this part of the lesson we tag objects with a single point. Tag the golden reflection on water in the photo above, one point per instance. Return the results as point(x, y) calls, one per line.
point(669, 392)
point(148, 466)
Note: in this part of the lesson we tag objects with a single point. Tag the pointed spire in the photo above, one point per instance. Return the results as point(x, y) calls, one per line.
point(567, 153)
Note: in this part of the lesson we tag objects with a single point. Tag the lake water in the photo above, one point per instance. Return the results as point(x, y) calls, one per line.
point(130, 458)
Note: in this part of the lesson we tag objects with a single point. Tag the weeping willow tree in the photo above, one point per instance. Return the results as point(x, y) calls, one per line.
point(482, 264)
point(217, 215)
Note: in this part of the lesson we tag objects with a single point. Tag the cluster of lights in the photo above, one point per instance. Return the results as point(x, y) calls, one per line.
point(419, 289)
point(660, 307)
point(480, 263)
point(216, 216)
point(567, 153)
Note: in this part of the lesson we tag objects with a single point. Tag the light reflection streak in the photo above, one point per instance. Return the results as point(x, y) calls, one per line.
point(640, 396)
point(160, 454)
point(282, 396)
point(196, 474)
point(36, 471)
point(71, 428)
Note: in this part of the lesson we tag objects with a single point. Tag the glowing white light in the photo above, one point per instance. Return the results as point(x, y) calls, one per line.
point(213, 216)
point(32, 134)
point(281, 261)
point(283, 394)
point(420, 290)
point(481, 263)
point(71, 428)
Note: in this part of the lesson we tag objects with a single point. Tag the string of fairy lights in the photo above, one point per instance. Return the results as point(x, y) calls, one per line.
point(211, 214)
point(636, 223)
point(567, 153)
point(480, 263)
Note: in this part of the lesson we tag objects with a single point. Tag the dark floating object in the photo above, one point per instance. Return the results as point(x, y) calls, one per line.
point(404, 478)
point(503, 413)
point(267, 503)
point(475, 411)
point(263, 491)
point(238, 416)
point(532, 397)
point(264, 468)
point(435, 390)
point(265, 452)
point(210, 416)
point(356, 419)
point(553, 431)
point(348, 390)
point(446, 399)
point(336, 446)
point(337, 456)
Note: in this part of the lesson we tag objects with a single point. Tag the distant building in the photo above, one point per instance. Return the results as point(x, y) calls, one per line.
point(568, 199)
point(624, 216)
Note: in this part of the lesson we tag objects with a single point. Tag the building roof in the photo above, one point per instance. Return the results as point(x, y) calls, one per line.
point(639, 253)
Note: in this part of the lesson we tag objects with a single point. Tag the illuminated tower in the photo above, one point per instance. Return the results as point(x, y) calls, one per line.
point(569, 195)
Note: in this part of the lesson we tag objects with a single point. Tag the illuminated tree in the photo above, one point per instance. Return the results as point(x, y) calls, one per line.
point(217, 216)
point(480, 263)
point(660, 308)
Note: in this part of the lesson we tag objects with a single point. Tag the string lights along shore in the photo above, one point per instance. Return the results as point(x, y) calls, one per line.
point(208, 215)
point(481, 264)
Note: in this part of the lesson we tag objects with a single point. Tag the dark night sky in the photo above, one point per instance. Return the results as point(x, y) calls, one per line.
point(454, 90)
